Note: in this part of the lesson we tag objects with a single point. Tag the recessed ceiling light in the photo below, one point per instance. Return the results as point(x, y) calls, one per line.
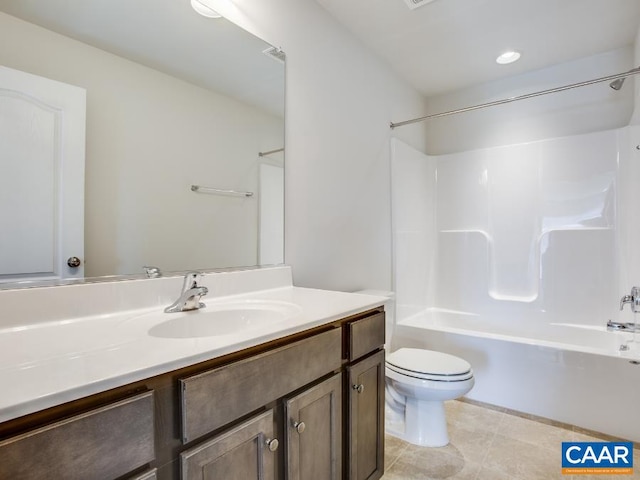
point(204, 10)
point(508, 57)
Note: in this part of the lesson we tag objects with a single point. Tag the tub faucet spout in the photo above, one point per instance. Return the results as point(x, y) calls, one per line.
point(622, 326)
point(189, 298)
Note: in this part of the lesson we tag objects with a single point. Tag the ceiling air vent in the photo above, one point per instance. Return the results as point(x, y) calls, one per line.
point(275, 53)
point(413, 4)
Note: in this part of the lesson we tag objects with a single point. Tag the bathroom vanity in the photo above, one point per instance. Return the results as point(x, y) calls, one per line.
point(302, 398)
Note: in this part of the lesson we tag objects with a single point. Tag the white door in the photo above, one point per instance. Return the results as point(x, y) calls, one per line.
point(42, 150)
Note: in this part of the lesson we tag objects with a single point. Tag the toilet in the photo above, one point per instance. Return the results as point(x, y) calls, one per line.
point(418, 382)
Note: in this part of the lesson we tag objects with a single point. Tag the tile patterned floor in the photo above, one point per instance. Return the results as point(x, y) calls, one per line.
point(490, 444)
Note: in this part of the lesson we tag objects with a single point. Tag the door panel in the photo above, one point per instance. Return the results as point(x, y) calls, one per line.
point(241, 453)
point(42, 148)
point(314, 432)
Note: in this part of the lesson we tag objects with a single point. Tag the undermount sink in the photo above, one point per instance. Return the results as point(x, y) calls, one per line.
point(223, 319)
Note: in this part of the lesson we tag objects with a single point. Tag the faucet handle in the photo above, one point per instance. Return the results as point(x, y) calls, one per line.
point(191, 280)
point(633, 299)
point(624, 300)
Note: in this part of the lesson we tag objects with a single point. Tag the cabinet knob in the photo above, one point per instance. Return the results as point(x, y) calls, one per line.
point(359, 388)
point(299, 426)
point(272, 444)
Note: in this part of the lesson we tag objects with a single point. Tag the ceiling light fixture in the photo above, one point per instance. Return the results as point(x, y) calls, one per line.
point(508, 57)
point(204, 10)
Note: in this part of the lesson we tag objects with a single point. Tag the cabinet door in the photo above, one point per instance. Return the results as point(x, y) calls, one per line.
point(366, 418)
point(246, 452)
point(314, 432)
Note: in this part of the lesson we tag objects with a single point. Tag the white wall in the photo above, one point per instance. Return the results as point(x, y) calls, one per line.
point(340, 100)
point(143, 153)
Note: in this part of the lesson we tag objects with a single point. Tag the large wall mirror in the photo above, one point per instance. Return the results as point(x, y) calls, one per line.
point(183, 130)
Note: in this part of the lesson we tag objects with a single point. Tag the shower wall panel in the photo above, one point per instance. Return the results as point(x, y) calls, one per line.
point(498, 214)
point(546, 228)
point(413, 203)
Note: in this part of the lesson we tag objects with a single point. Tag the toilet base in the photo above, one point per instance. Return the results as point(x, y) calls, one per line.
point(427, 425)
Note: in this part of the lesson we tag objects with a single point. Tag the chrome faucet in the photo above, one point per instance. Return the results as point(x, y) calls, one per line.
point(191, 293)
point(633, 299)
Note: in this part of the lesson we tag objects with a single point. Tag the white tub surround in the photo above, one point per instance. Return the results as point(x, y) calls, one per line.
point(62, 343)
point(514, 257)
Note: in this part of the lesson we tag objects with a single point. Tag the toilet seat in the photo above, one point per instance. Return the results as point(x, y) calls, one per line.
point(429, 365)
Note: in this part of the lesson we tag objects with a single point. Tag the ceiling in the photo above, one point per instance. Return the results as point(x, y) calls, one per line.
point(447, 45)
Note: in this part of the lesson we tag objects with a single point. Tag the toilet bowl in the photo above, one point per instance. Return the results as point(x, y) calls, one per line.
point(418, 382)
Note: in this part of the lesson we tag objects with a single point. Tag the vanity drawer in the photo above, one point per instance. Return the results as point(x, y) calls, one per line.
point(104, 443)
point(365, 335)
point(214, 398)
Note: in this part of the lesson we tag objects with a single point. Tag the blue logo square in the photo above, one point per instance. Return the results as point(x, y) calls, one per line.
point(597, 455)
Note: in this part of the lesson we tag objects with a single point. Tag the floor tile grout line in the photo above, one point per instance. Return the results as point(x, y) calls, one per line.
point(404, 447)
point(388, 467)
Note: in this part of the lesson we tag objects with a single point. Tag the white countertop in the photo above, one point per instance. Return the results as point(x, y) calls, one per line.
point(44, 364)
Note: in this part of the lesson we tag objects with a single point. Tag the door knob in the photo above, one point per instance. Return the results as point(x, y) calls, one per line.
point(299, 426)
point(74, 262)
point(272, 444)
point(359, 388)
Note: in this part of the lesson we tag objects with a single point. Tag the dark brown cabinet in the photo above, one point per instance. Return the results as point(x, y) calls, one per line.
point(314, 432)
point(366, 418)
point(312, 427)
point(217, 397)
point(106, 443)
point(245, 452)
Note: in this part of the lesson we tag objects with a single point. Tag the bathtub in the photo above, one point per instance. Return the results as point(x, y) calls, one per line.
point(562, 371)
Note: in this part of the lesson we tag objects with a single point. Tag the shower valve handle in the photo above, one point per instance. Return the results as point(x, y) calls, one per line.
point(633, 299)
point(624, 300)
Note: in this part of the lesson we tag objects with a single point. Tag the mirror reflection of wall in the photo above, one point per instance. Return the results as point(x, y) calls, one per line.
point(151, 135)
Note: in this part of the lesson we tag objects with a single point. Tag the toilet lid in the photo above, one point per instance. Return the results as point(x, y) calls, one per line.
point(421, 361)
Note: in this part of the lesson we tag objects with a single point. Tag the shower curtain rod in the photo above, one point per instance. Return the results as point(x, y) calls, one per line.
point(635, 71)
